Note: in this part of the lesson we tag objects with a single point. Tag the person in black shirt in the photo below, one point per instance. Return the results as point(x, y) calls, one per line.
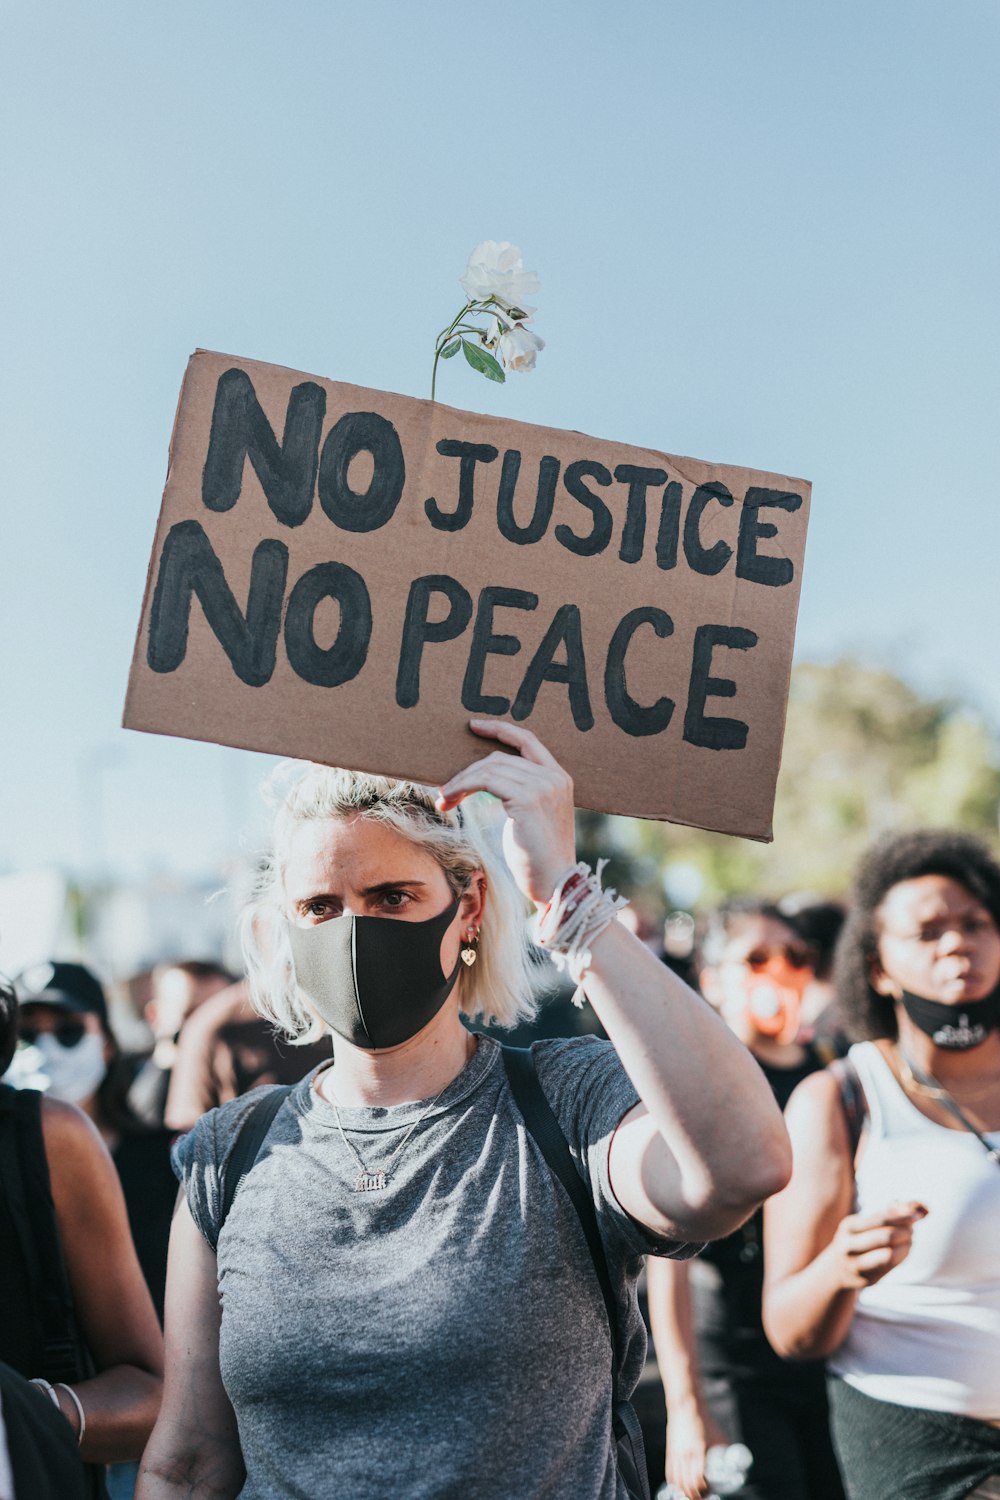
point(723, 1381)
point(77, 1320)
point(68, 1050)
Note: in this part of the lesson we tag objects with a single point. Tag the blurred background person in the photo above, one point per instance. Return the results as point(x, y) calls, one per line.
point(68, 1050)
point(178, 989)
point(819, 923)
point(722, 1380)
point(882, 1252)
point(78, 1320)
point(224, 1050)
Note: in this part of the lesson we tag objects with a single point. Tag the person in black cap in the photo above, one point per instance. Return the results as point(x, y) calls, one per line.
point(68, 1050)
point(64, 1032)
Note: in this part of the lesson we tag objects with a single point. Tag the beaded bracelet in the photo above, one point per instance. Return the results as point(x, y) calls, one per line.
point(577, 913)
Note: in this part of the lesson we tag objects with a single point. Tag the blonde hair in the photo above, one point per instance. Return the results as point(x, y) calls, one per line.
point(496, 989)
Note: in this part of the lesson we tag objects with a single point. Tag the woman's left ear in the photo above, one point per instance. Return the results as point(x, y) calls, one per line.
point(474, 901)
point(881, 983)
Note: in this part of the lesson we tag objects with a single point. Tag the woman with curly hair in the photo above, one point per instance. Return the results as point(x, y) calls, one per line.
point(881, 1254)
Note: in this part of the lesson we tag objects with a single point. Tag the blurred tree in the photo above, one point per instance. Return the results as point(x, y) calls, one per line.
point(864, 752)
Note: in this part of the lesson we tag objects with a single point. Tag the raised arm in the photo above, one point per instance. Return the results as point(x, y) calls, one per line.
point(194, 1453)
point(194, 1088)
point(707, 1143)
point(691, 1429)
point(818, 1254)
point(112, 1301)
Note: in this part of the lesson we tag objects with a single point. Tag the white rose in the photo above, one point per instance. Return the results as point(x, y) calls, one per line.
point(496, 269)
point(518, 348)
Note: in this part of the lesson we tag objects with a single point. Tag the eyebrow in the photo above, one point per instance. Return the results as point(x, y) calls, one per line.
point(368, 890)
point(975, 907)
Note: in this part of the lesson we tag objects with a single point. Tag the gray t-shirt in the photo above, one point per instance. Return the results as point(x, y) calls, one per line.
point(443, 1338)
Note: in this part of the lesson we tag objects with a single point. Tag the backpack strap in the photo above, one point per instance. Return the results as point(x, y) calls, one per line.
point(246, 1148)
point(852, 1099)
point(543, 1127)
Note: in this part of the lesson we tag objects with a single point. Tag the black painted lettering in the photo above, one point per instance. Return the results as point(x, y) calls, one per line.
point(361, 432)
point(709, 560)
point(240, 430)
point(485, 643)
point(564, 631)
point(418, 628)
point(773, 572)
point(712, 733)
point(634, 531)
point(470, 454)
point(189, 566)
point(343, 660)
point(548, 476)
point(635, 718)
point(600, 532)
point(668, 534)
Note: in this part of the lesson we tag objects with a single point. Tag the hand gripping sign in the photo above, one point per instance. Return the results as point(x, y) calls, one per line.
point(346, 576)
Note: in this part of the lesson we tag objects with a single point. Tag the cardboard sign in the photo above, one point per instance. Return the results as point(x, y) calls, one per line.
point(348, 576)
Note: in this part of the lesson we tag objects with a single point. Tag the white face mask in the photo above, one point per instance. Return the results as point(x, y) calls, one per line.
point(68, 1073)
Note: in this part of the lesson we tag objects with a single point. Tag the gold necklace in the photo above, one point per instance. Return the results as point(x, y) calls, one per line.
point(932, 1086)
point(370, 1180)
point(937, 1090)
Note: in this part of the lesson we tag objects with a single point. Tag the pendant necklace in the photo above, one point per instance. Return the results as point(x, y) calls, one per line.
point(931, 1086)
point(373, 1181)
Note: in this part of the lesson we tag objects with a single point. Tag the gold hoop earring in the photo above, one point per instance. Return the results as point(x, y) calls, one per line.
point(470, 948)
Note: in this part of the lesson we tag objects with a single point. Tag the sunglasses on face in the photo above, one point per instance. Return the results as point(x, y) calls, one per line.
point(796, 957)
point(66, 1033)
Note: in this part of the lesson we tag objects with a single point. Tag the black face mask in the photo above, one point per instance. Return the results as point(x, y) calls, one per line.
point(375, 981)
point(955, 1028)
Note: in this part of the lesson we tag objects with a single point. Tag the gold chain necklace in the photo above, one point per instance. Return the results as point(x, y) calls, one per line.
point(931, 1086)
point(937, 1090)
point(369, 1180)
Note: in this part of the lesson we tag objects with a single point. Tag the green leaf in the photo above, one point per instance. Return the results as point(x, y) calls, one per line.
point(450, 349)
point(483, 362)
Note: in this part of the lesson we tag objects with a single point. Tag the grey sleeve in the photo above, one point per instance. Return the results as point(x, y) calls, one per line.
point(590, 1092)
point(199, 1161)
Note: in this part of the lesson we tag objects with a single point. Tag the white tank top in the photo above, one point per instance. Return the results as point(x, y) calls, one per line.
point(928, 1333)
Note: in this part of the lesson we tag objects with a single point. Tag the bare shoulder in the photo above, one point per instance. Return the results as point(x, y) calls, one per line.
point(79, 1162)
point(68, 1131)
point(815, 1116)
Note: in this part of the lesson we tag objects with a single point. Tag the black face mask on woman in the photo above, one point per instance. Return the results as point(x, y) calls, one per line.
point(375, 981)
point(955, 1028)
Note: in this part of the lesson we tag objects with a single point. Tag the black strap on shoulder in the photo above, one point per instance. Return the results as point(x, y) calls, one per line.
point(852, 1099)
point(28, 1190)
point(547, 1134)
point(249, 1139)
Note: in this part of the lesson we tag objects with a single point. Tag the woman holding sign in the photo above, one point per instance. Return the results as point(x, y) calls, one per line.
point(882, 1252)
point(409, 1304)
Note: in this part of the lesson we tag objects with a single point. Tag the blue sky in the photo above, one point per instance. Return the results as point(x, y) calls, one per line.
point(766, 233)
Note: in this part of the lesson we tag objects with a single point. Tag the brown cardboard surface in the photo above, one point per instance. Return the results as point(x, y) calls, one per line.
point(339, 653)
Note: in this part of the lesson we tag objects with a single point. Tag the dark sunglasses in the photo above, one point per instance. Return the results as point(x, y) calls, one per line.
point(795, 956)
point(66, 1033)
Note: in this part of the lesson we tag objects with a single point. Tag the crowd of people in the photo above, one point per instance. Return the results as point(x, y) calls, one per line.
point(407, 1257)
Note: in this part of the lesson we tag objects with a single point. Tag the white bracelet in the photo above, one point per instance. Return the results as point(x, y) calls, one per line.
point(44, 1385)
point(577, 914)
point(79, 1408)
